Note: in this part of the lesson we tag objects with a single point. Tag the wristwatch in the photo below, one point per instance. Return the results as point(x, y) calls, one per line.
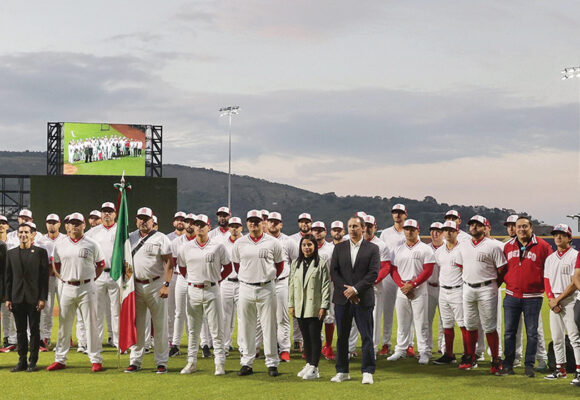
point(166, 283)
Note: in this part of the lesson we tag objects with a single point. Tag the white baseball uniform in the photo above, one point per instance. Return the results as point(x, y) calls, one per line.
point(180, 293)
point(171, 301)
point(219, 233)
point(393, 239)
point(433, 302)
point(451, 287)
point(230, 289)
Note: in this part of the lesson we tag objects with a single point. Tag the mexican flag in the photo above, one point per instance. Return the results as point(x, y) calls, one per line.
point(122, 272)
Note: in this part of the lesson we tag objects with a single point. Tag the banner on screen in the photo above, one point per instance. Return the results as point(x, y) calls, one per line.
point(104, 149)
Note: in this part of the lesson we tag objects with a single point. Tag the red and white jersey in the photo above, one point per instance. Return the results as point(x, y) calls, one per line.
point(105, 237)
point(77, 258)
point(219, 233)
point(384, 250)
point(229, 245)
point(480, 260)
point(176, 245)
point(392, 238)
point(559, 269)
point(290, 253)
point(410, 261)
point(147, 262)
point(449, 273)
point(325, 252)
point(203, 262)
point(257, 258)
point(434, 278)
point(296, 237)
point(463, 236)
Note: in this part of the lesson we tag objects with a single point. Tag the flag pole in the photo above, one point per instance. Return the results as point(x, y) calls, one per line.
point(120, 294)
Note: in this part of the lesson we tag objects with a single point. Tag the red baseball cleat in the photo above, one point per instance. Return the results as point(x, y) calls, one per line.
point(97, 367)
point(410, 351)
point(285, 356)
point(384, 350)
point(329, 353)
point(55, 366)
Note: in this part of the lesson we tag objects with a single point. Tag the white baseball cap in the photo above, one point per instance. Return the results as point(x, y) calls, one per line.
point(305, 216)
point(318, 225)
point(453, 213)
point(155, 219)
point(254, 214)
point(223, 210)
point(25, 213)
point(179, 214)
point(562, 228)
point(189, 217)
point(477, 218)
point(66, 219)
point(511, 219)
point(3, 218)
point(145, 211)
point(411, 223)
point(108, 204)
point(361, 214)
point(275, 215)
point(95, 213)
point(31, 224)
point(451, 225)
point(52, 217)
point(399, 207)
point(235, 220)
point(436, 225)
point(76, 216)
point(202, 218)
point(265, 213)
point(337, 224)
point(369, 219)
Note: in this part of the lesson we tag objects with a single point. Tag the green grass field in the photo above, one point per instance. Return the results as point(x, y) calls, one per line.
point(402, 379)
point(133, 166)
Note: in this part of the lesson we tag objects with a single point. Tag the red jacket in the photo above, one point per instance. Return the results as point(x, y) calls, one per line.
point(525, 272)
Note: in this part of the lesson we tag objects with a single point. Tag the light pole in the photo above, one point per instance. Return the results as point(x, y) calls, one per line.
point(229, 111)
point(569, 73)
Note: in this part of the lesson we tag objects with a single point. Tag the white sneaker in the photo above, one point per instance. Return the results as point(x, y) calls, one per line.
point(424, 359)
point(303, 370)
point(517, 363)
point(397, 355)
point(340, 377)
point(220, 370)
point(188, 369)
point(367, 378)
point(311, 373)
point(480, 357)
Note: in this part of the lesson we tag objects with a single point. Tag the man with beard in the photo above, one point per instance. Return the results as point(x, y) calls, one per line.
point(222, 231)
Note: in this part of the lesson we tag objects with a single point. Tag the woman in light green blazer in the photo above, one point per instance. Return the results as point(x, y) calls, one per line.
point(309, 298)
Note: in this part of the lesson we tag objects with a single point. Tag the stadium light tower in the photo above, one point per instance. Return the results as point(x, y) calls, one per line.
point(569, 73)
point(229, 111)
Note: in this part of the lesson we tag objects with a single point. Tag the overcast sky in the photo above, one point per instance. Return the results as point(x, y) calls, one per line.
point(458, 100)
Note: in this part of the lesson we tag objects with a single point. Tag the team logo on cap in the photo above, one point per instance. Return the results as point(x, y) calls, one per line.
point(95, 213)
point(319, 225)
point(511, 219)
point(562, 228)
point(436, 225)
point(145, 211)
point(337, 224)
point(189, 217)
point(25, 213)
point(235, 220)
point(253, 214)
point(361, 214)
point(108, 204)
point(453, 213)
point(450, 224)
point(411, 223)
point(477, 218)
point(369, 219)
point(275, 215)
point(180, 214)
point(76, 217)
point(52, 217)
point(223, 210)
point(265, 213)
point(202, 218)
point(399, 207)
point(305, 216)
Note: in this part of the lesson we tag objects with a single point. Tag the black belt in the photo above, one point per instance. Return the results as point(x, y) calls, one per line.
point(281, 279)
point(433, 284)
point(200, 285)
point(233, 279)
point(257, 283)
point(145, 281)
point(107, 270)
point(480, 284)
point(451, 287)
point(78, 283)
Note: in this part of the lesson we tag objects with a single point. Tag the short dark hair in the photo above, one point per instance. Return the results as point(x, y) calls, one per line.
point(526, 218)
point(25, 226)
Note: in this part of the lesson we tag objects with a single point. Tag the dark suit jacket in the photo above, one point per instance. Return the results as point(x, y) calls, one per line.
point(362, 276)
point(26, 281)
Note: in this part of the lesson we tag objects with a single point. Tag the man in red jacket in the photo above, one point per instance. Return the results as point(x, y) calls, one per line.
point(524, 279)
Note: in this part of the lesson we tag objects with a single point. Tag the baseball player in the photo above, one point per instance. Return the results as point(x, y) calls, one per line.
point(560, 291)
point(180, 288)
point(78, 261)
point(222, 230)
point(179, 225)
point(337, 232)
point(95, 218)
point(436, 234)
point(265, 214)
point(412, 265)
point(481, 260)
point(204, 259)
point(393, 237)
point(230, 287)
point(106, 288)
point(453, 215)
point(275, 226)
point(258, 260)
point(153, 269)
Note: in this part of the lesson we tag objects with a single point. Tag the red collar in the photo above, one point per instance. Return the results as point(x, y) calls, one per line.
point(436, 247)
point(108, 227)
point(561, 253)
point(415, 244)
point(323, 243)
point(476, 242)
point(202, 245)
point(256, 240)
point(223, 230)
point(77, 240)
point(230, 239)
point(189, 239)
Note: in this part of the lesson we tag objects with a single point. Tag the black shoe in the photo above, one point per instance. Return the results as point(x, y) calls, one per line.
point(273, 371)
point(206, 352)
point(445, 359)
point(530, 372)
point(32, 368)
point(174, 351)
point(161, 369)
point(505, 370)
point(132, 368)
point(19, 368)
point(245, 370)
point(231, 349)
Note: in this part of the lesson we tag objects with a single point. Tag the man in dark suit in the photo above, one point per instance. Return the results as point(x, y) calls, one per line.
point(26, 291)
point(354, 268)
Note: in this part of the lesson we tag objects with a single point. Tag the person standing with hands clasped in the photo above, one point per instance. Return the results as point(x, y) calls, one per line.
point(309, 299)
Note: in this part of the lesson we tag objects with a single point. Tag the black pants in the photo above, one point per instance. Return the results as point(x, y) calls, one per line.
point(310, 328)
point(363, 317)
point(26, 315)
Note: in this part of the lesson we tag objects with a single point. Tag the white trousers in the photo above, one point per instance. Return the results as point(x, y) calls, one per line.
point(47, 311)
point(480, 305)
point(257, 303)
point(451, 307)
point(108, 300)
point(171, 304)
point(378, 315)
point(389, 294)
point(282, 315)
point(230, 295)
point(8, 324)
point(180, 317)
point(411, 312)
point(329, 317)
point(560, 324)
point(147, 298)
point(433, 303)
point(83, 299)
point(205, 302)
